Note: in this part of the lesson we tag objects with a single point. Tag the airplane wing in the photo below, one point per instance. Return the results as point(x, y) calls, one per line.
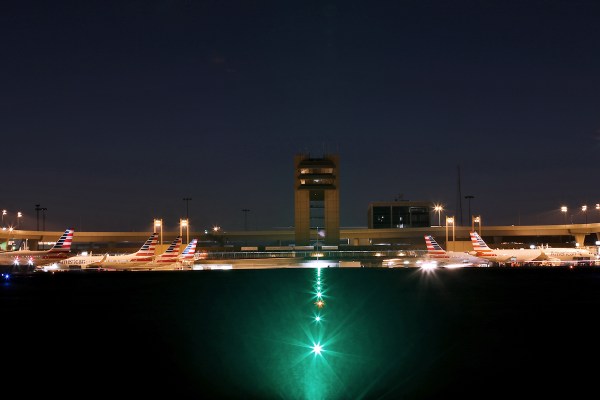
point(99, 262)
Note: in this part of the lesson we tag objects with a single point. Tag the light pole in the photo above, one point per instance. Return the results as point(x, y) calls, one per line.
point(158, 224)
point(37, 215)
point(584, 210)
point(476, 220)
point(564, 210)
point(449, 220)
point(43, 218)
point(438, 209)
point(3, 214)
point(19, 216)
point(245, 211)
point(184, 223)
point(469, 197)
point(187, 209)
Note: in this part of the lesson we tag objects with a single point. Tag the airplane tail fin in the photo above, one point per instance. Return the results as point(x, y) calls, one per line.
point(480, 248)
point(478, 243)
point(433, 248)
point(63, 244)
point(189, 251)
point(148, 249)
point(170, 255)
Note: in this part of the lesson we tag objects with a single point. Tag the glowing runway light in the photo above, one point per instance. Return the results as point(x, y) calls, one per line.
point(320, 303)
point(318, 318)
point(317, 348)
point(319, 294)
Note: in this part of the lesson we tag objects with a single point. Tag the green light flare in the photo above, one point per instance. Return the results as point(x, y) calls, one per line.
point(317, 348)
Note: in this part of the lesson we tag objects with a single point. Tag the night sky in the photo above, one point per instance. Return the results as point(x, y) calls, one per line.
point(112, 112)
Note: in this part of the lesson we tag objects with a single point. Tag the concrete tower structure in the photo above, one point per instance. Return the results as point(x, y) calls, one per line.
point(317, 200)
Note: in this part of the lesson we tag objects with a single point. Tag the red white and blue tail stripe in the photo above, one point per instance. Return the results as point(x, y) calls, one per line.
point(63, 244)
point(434, 250)
point(480, 247)
point(189, 251)
point(170, 255)
point(148, 249)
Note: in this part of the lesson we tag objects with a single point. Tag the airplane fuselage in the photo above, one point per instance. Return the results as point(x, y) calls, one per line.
point(31, 257)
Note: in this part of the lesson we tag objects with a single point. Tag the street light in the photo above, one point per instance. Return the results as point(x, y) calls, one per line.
point(158, 224)
point(19, 215)
point(584, 210)
point(184, 223)
point(564, 210)
point(449, 220)
point(438, 209)
point(3, 214)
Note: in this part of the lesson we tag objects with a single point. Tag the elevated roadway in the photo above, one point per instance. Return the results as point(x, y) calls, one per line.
point(353, 236)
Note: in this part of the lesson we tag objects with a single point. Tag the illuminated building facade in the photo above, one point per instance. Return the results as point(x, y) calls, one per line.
point(400, 214)
point(317, 200)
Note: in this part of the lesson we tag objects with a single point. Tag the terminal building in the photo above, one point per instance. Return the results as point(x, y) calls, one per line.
point(400, 214)
point(316, 185)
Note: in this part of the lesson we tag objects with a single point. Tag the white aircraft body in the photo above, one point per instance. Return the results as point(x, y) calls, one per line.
point(80, 261)
point(126, 262)
point(171, 259)
point(59, 251)
point(481, 249)
point(436, 253)
point(567, 254)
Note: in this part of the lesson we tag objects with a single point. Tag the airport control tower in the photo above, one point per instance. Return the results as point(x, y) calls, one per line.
point(317, 200)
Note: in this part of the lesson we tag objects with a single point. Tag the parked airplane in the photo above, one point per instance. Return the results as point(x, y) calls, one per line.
point(165, 259)
point(80, 261)
point(435, 252)
point(481, 249)
point(59, 251)
point(566, 255)
point(171, 259)
point(188, 255)
point(144, 255)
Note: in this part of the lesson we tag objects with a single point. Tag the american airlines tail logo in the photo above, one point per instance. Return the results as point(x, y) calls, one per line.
point(480, 247)
point(170, 255)
point(146, 252)
point(63, 244)
point(434, 250)
point(190, 249)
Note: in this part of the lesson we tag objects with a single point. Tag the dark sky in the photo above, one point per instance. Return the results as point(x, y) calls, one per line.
point(111, 112)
